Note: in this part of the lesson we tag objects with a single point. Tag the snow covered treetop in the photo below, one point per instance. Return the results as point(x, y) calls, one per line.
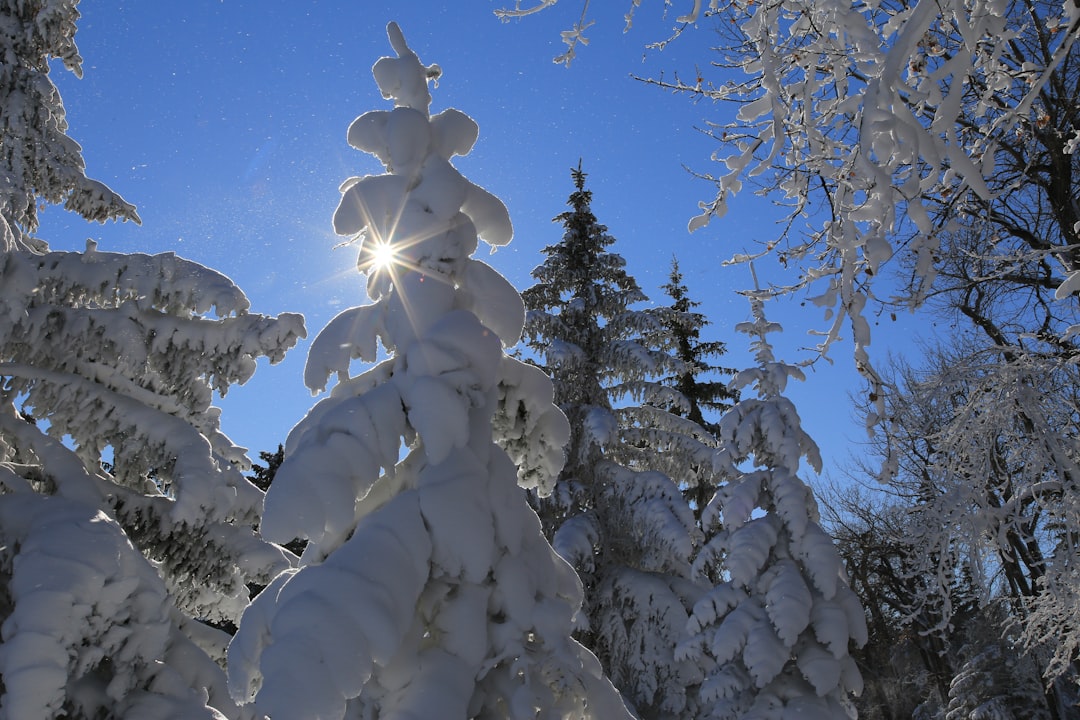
point(416, 149)
point(770, 376)
point(404, 78)
point(767, 428)
point(418, 225)
point(418, 222)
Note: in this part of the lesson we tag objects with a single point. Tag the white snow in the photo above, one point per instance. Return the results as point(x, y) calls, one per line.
point(115, 359)
point(427, 588)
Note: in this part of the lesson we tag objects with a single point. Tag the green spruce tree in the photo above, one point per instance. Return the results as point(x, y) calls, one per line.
point(616, 513)
point(702, 387)
point(262, 475)
point(685, 325)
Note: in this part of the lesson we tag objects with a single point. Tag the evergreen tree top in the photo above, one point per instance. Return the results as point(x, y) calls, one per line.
point(677, 290)
point(684, 326)
point(579, 178)
point(578, 264)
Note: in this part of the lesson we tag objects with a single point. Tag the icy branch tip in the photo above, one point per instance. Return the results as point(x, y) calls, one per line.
point(404, 78)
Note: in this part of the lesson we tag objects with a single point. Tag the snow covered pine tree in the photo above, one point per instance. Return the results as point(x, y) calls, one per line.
point(427, 588)
point(617, 513)
point(126, 526)
point(775, 635)
point(699, 390)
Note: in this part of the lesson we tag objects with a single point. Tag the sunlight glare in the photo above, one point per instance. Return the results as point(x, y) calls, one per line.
point(382, 255)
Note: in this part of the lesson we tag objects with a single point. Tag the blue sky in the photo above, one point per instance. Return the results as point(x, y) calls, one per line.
point(224, 122)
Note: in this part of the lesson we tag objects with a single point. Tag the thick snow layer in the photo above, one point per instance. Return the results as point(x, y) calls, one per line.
point(490, 217)
point(459, 521)
point(73, 611)
point(372, 582)
point(787, 600)
point(448, 372)
point(353, 334)
point(494, 301)
point(347, 442)
point(453, 133)
point(576, 541)
point(371, 203)
point(528, 426)
point(404, 79)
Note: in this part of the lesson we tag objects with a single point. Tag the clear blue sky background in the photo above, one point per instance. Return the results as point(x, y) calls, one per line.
point(224, 122)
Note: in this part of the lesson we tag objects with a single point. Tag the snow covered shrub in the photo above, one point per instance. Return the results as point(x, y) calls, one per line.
point(775, 634)
point(427, 588)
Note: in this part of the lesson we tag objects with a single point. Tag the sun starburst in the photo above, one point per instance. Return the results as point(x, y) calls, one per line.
point(382, 255)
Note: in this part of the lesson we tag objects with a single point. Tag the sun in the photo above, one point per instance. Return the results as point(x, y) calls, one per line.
point(381, 255)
